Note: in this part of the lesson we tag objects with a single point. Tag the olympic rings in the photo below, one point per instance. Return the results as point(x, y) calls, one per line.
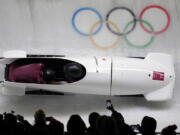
point(158, 7)
point(138, 46)
point(121, 8)
point(146, 26)
point(90, 9)
point(99, 46)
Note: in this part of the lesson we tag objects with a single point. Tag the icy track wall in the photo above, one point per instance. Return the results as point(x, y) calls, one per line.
point(48, 26)
point(92, 27)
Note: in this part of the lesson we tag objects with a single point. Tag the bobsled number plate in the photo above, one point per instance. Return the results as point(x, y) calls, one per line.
point(158, 75)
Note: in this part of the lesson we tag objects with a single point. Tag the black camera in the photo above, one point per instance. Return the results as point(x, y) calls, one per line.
point(49, 118)
point(136, 128)
point(109, 105)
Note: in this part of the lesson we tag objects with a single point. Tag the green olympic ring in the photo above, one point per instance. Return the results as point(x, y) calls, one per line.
point(135, 45)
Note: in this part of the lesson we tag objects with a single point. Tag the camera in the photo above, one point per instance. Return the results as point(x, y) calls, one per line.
point(49, 118)
point(109, 105)
point(135, 128)
point(20, 118)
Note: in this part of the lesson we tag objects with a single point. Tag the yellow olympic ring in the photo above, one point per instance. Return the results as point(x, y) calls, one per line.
point(109, 46)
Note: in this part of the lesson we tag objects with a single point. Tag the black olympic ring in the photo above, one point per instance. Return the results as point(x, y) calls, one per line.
point(121, 8)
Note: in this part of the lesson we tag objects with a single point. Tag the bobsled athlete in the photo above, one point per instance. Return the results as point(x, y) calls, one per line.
point(122, 128)
point(42, 74)
point(49, 75)
point(30, 73)
point(73, 72)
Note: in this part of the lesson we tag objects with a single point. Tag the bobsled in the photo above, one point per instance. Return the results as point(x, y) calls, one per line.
point(152, 76)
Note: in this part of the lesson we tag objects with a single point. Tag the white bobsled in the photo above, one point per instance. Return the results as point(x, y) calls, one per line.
point(152, 76)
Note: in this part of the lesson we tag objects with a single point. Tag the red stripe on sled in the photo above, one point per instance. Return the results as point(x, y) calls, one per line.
point(158, 75)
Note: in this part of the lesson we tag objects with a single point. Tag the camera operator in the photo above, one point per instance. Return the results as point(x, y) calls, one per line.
point(40, 127)
point(24, 125)
point(55, 126)
point(122, 127)
point(1, 124)
point(11, 125)
point(169, 130)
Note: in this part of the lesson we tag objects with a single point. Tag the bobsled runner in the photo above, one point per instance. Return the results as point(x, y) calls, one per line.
point(152, 76)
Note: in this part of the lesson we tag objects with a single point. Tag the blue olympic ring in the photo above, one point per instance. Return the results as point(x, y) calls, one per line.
point(93, 10)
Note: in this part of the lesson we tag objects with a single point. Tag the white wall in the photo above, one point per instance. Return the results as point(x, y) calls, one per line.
point(44, 26)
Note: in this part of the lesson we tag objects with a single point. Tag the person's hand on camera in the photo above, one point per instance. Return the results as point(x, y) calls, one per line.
point(50, 118)
point(111, 108)
point(20, 118)
point(109, 105)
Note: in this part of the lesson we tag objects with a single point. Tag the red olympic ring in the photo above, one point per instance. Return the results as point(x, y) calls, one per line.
point(158, 7)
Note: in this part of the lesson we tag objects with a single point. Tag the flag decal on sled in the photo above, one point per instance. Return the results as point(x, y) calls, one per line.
point(158, 75)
